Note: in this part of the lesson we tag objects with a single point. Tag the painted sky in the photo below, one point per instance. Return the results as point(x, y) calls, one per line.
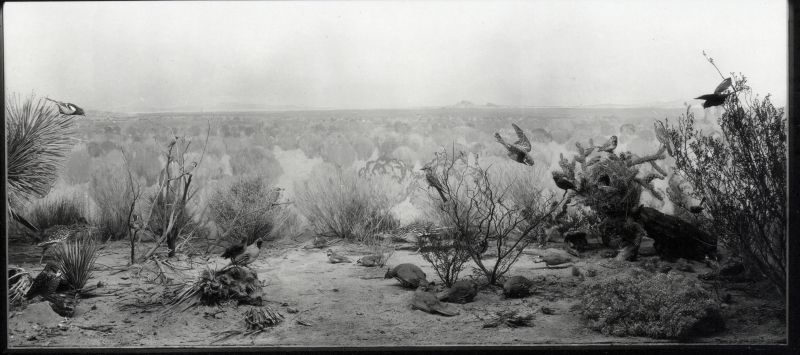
point(364, 54)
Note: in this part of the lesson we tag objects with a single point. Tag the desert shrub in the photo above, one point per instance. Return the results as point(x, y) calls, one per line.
point(627, 129)
point(363, 146)
point(110, 190)
point(76, 259)
point(61, 210)
point(338, 153)
point(78, 167)
point(638, 302)
point(311, 145)
point(742, 176)
point(447, 260)
point(245, 208)
point(341, 203)
point(108, 146)
point(256, 161)
point(144, 162)
point(540, 136)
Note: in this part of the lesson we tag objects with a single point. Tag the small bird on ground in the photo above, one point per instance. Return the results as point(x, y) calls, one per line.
point(563, 182)
point(242, 255)
point(409, 275)
point(369, 261)
point(336, 258)
point(520, 149)
point(554, 259)
point(461, 292)
point(718, 97)
point(426, 301)
point(517, 286)
point(609, 145)
point(68, 109)
point(46, 282)
point(433, 181)
point(59, 234)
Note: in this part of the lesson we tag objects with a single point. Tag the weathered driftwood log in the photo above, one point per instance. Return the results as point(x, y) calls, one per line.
point(675, 238)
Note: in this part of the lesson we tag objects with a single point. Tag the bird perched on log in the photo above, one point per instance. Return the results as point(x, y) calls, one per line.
point(517, 286)
point(718, 97)
point(518, 151)
point(609, 145)
point(59, 234)
point(68, 109)
point(426, 301)
point(336, 258)
point(433, 181)
point(461, 292)
point(241, 254)
point(563, 182)
point(46, 282)
point(409, 275)
point(370, 261)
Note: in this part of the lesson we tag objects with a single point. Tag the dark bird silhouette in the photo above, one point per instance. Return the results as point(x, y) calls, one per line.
point(609, 145)
point(563, 182)
point(517, 286)
point(242, 255)
point(461, 292)
point(59, 234)
point(68, 109)
point(717, 98)
point(699, 208)
point(433, 181)
point(519, 150)
point(336, 258)
point(46, 282)
point(409, 275)
point(426, 301)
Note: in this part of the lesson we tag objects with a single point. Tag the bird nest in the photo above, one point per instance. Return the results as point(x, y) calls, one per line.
point(611, 188)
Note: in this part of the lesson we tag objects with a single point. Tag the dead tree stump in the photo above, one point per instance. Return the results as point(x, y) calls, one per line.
point(675, 238)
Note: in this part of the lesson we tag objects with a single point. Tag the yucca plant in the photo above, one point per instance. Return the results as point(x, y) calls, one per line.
point(38, 145)
point(76, 259)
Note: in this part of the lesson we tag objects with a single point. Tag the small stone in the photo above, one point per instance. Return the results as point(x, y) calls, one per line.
point(155, 333)
point(126, 320)
point(31, 338)
point(335, 290)
point(291, 310)
point(723, 305)
point(94, 307)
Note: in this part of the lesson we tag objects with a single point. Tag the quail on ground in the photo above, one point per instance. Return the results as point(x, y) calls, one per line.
point(427, 301)
point(517, 286)
point(409, 275)
point(433, 181)
point(68, 109)
point(336, 258)
point(518, 151)
point(241, 255)
point(46, 282)
point(718, 97)
point(59, 234)
point(369, 261)
point(609, 145)
point(461, 292)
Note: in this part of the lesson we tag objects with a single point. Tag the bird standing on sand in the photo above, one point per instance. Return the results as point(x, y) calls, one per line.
point(68, 109)
point(46, 282)
point(369, 261)
point(433, 181)
point(718, 97)
point(336, 258)
point(609, 145)
point(520, 149)
point(59, 234)
point(563, 182)
point(242, 255)
point(426, 301)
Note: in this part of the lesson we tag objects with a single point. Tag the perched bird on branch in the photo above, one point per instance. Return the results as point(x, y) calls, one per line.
point(520, 149)
point(609, 145)
point(336, 258)
point(663, 136)
point(563, 182)
point(59, 234)
point(68, 109)
point(718, 97)
point(433, 181)
point(426, 301)
point(242, 255)
point(46, 282)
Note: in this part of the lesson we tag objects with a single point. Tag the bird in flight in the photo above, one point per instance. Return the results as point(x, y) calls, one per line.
point(68, 109)
point(520, 149)
point(718, 97)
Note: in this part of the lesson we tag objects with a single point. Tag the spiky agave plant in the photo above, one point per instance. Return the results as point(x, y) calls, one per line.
point(38, 144)
point(76, 259)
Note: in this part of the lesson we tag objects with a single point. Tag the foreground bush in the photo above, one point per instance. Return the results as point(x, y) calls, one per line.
point(62, 210)
point(246, 208)
point(109, 188)
point(638, 302)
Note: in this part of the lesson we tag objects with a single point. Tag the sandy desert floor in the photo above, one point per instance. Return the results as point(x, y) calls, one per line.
point(337, 305)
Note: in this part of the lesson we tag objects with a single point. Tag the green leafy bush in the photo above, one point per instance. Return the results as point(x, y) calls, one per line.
point(638, 302)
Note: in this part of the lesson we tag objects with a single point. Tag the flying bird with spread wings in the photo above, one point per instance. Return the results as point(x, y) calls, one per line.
point(719, 95)
point(520, 149)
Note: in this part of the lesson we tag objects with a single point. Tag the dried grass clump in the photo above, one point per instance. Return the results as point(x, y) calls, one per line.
point(19, 282)
point(638, 302)
point(76, 260)
point(511, 318)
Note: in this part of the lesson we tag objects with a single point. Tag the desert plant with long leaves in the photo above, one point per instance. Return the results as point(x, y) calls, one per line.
point(76, 260)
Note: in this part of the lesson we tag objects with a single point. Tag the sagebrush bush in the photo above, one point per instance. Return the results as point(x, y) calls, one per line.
point(109, 187)
point(255, 160)
point(340, 203)
point(637, 302)
point(742, 176)
point(245, 208)
point(61, 210)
